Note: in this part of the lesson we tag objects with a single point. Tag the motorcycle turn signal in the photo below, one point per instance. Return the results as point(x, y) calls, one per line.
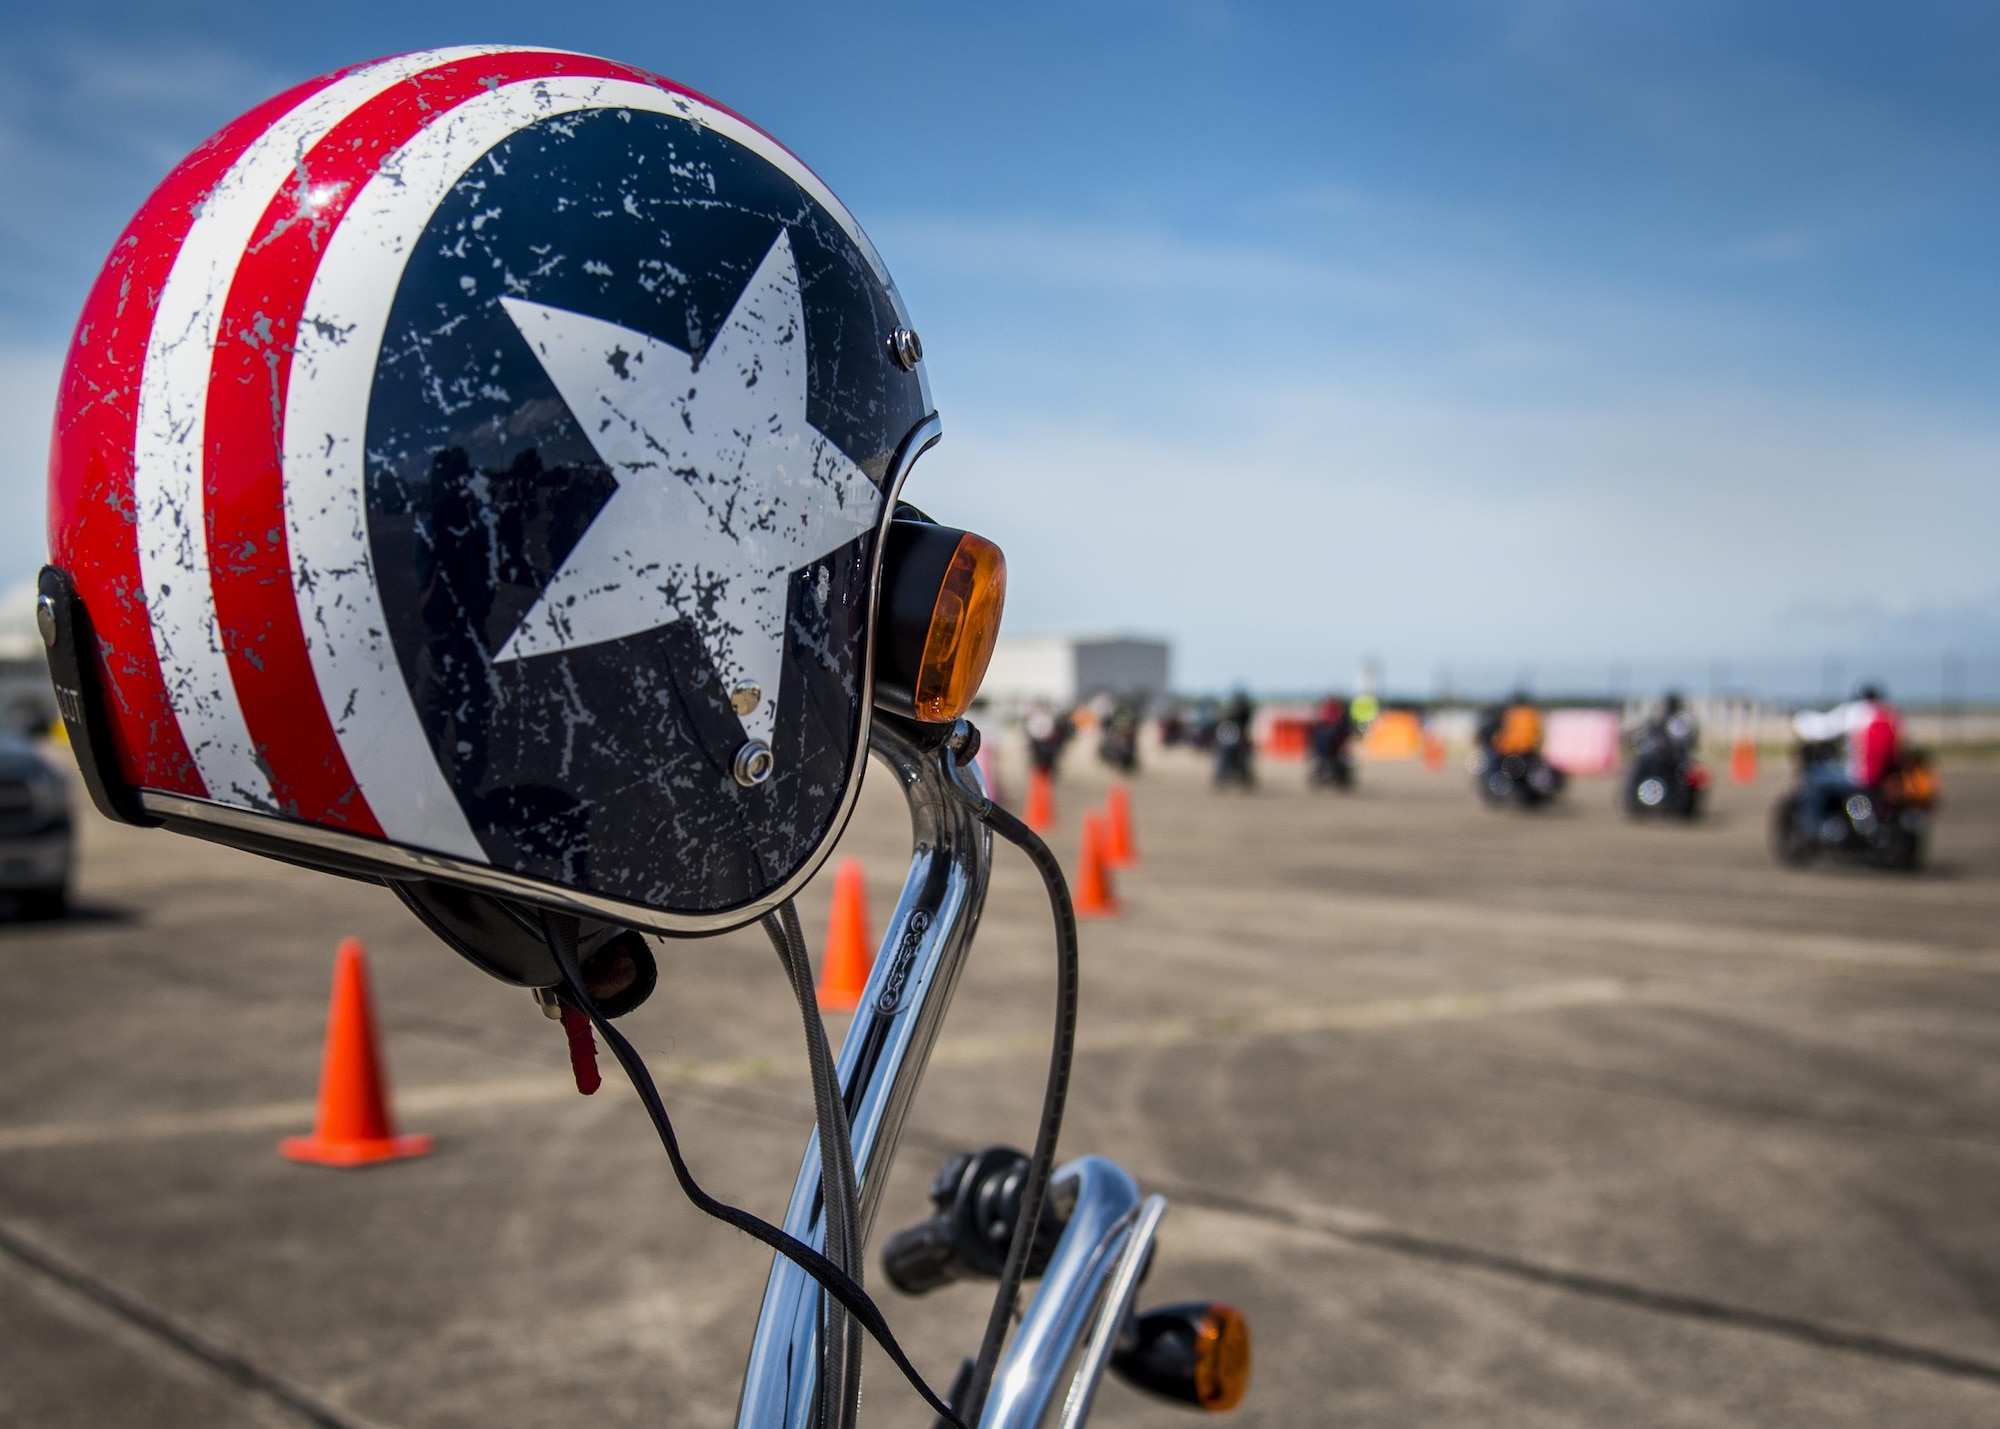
point(942, 595)
point(1195, 1353)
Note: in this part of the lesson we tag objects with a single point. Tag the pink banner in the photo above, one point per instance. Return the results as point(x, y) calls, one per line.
point(1582, 741)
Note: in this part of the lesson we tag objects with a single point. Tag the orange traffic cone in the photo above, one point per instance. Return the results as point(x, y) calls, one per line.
point(1433, 752)
point(1119, 850)
point(354, 1126)
point(1743, 761)
point(1094, 898)
point(1041, 811)
point(850, 951)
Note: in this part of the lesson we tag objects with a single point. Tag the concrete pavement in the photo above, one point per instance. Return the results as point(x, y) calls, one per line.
point(1484, 1119)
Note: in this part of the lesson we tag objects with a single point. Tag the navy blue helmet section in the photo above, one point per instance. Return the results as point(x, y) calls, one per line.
point(607, 766)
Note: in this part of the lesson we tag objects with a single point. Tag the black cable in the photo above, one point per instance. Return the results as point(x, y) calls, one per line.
point(830, 1094)
point(1055, 1094)
point(560, 931)
point(840, 1196)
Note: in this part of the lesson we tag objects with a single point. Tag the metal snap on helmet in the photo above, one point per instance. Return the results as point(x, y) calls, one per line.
point(474, 470)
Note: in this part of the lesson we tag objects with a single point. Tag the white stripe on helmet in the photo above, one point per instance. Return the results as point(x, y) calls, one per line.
point(169, 443)
point(340, 334)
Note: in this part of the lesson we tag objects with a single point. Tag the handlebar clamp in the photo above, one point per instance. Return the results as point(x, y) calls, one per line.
point(976, 1196)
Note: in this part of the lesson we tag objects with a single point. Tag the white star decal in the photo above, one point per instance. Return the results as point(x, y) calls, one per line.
point(724, 487)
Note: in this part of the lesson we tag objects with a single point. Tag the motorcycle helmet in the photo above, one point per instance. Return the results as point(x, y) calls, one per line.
point(476, 470)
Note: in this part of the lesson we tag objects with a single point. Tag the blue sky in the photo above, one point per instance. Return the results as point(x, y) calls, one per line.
point(1492, 338)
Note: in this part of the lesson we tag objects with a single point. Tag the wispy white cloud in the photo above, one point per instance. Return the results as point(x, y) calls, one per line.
point(1109, 259)
point(67, 103)
point(87, 127)
point(1112, 314)
point(1713, 86)
point(1347, 411)
point(1869, 127)
point(1286, 460)
point(1307, 526)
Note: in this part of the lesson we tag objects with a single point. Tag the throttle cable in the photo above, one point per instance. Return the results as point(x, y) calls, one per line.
point(838, 1181)
point(1055, 1094)
point(560, 929)
point(840, 1195)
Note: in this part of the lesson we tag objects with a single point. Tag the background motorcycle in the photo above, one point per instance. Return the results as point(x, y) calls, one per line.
point(1233, 756)
point(1332, 760)
point(1886, 825)
point(1118, 743)
point(1525, 781)
point(1664, 779)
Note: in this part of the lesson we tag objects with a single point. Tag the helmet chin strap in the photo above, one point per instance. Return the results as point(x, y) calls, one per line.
point(561, 931)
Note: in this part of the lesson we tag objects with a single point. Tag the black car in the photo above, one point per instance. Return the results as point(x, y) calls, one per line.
point(37, 844)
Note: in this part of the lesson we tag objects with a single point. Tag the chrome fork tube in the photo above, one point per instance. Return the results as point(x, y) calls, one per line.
point(1066, 1335)
point(882, 1059)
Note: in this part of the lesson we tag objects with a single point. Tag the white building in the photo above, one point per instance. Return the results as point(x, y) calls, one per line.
point(1068, 670)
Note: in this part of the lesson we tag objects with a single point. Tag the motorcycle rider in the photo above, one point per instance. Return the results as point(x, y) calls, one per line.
point(1118, 740)
point(1865, 733)
point(1332, 732)
point(1664, 774)
point(1232, 742)
point(1512, 729)
point(1512, 769)
point(1048, 734)
point(1671, 733)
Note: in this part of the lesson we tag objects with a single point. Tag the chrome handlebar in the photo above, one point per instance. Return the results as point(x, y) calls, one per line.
point(882, 1059)
point(1087, 1286)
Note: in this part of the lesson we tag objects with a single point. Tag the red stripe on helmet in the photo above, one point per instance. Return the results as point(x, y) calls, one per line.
point(92, 517)
point(250, 563)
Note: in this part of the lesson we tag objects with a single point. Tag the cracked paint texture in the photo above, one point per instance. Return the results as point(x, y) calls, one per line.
point(604, 762)
point(331, 502)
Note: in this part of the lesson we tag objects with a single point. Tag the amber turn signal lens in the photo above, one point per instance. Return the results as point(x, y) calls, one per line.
point(1221, 1358)
point(1194, 1353)
point(965, 623)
